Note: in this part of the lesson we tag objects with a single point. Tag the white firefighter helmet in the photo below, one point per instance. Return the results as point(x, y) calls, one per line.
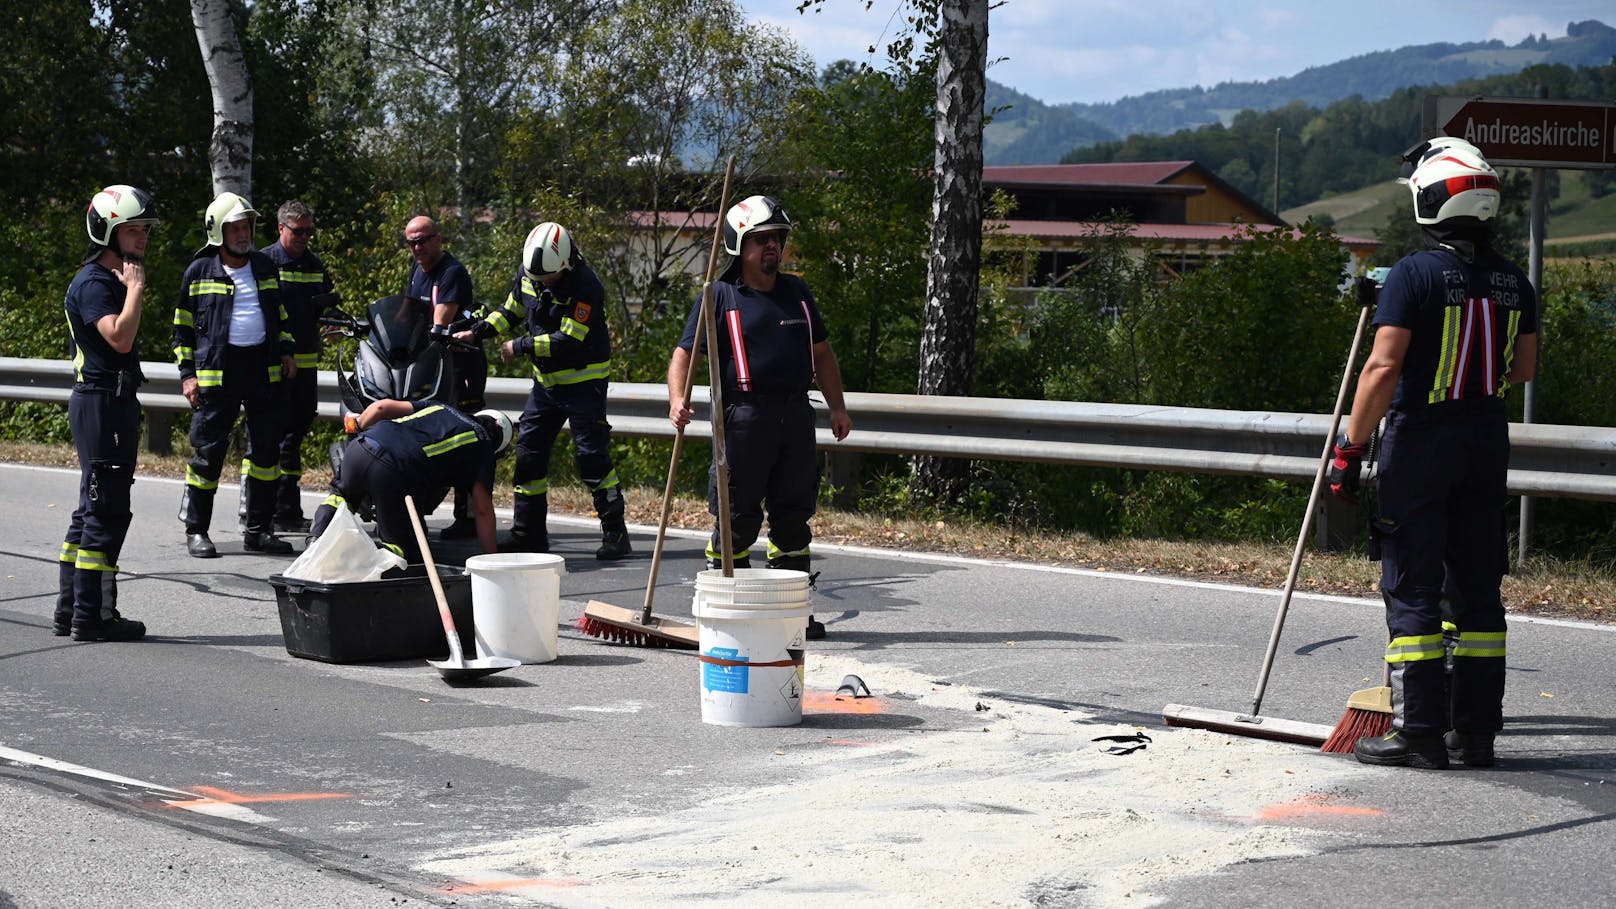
point(115, 205)
point(221, 211)
point(752, 213)
point(548, 249)
point(1449, 178)
point(500, 425)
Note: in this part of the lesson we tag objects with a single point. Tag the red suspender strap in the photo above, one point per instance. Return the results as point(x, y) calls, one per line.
point(737, 343)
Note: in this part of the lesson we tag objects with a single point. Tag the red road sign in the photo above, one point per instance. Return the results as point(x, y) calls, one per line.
point(1528, 132)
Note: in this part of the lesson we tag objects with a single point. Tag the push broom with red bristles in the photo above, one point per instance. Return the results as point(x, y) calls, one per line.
point(640, 628)
point(1369, 715)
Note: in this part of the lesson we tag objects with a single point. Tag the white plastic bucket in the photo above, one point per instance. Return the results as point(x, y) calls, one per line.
point(751, 629)
point(516, 604)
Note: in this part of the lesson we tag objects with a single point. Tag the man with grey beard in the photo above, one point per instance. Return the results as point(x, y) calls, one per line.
point(233, 347)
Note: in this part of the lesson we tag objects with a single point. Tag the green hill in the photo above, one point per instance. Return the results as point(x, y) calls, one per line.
point(1030, 132)
point(1579, 222)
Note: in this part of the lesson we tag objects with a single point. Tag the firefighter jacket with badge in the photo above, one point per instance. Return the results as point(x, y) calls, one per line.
point(302, 279)
point(567, 337)
point(202, 319)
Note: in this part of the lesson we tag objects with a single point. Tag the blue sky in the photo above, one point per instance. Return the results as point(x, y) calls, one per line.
point(1102, 50)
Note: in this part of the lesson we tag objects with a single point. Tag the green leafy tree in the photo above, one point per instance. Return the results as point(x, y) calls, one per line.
point(863, 139)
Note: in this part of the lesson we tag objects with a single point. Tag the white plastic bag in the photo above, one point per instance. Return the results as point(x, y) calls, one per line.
point(343, 553)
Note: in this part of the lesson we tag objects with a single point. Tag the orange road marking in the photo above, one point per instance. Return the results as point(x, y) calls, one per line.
point(517, 884)
point(828, 702)
point(1314, 804)
point(217, 796)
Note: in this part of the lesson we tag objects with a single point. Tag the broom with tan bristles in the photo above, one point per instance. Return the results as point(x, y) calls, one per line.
point(639, 627)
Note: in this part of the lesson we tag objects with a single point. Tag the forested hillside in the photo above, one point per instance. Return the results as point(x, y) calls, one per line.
point(1031, 132)
point(1342, 147)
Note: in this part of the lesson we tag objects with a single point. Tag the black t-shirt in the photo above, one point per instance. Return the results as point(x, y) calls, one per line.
point(765, 340)
point(95, 294)
point(1463, 318)
point(447, 282)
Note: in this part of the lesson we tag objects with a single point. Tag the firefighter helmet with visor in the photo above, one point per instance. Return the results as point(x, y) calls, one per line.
point(116, 205)
point(756, 213)
point(1449, 178)
point(548, 250)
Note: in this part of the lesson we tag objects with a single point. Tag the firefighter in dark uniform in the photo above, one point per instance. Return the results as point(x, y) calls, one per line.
point(232, 348)
point(305, 293)
point(772, 348)
point(417, 449)
point(441, 280)
point(564, 305)
point(103, 307)
point(1456, 326)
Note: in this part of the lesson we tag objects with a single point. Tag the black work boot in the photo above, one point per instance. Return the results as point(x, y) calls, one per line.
point(62, 620)
point(525, 541)
point(1403, 749)
point(116, 628)
point(1474, 749)
point(200, 547)
point(461, 529)
point(614, 545)
point(266, 543)
point(292, 522)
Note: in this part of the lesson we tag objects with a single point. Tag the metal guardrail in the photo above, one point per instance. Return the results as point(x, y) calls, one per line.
point(1551, 461)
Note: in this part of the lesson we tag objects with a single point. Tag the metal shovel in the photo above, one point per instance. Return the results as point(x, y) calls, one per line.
point(456, 668)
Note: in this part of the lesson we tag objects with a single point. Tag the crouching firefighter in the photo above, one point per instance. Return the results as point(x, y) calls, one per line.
point(103, 307)
point(418, 449)
point(1456, 326)
point(563, 304)
point(233, 349)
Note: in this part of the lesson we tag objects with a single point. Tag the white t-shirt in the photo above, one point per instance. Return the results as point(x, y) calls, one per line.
point(246, 318)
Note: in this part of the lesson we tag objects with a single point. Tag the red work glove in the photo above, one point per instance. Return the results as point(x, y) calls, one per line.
point(1346, 469)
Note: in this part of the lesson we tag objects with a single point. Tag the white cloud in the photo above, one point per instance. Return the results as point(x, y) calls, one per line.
point(1511, 29)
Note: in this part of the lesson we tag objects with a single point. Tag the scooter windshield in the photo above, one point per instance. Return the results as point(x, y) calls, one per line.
point(400, 327)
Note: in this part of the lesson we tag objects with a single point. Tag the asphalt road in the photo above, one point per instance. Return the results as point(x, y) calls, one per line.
point(206, 765)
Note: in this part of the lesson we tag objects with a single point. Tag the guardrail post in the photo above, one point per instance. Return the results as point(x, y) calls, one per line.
point(160, 432)
point(1335, 527)
point(843, 473)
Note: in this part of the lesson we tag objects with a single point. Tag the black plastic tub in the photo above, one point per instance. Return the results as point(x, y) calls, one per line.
point(371, 621)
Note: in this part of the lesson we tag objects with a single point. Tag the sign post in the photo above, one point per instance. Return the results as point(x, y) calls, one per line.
point(1539, 134)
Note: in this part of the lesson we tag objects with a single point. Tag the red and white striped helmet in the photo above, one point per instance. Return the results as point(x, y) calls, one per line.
point(1451, 179)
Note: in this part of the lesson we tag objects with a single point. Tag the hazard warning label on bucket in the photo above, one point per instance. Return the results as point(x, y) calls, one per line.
point(728, 679)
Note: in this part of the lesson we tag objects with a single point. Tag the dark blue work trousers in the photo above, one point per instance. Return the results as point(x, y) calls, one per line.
point(106, 432)
point(772, 465)
point(581, 405)
point(1443, 495)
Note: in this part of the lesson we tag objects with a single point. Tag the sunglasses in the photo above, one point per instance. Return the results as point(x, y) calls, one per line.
point(299, 231)
point(419, 240)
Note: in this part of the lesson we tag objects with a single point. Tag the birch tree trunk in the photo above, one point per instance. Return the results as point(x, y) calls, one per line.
point(948, 346)
point(230, 152)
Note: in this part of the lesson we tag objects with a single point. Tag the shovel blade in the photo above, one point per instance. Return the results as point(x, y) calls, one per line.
point(471, 670)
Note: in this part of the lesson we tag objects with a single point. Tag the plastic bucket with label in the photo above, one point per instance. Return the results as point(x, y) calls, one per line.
point(751, 629)
point(516, 604)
